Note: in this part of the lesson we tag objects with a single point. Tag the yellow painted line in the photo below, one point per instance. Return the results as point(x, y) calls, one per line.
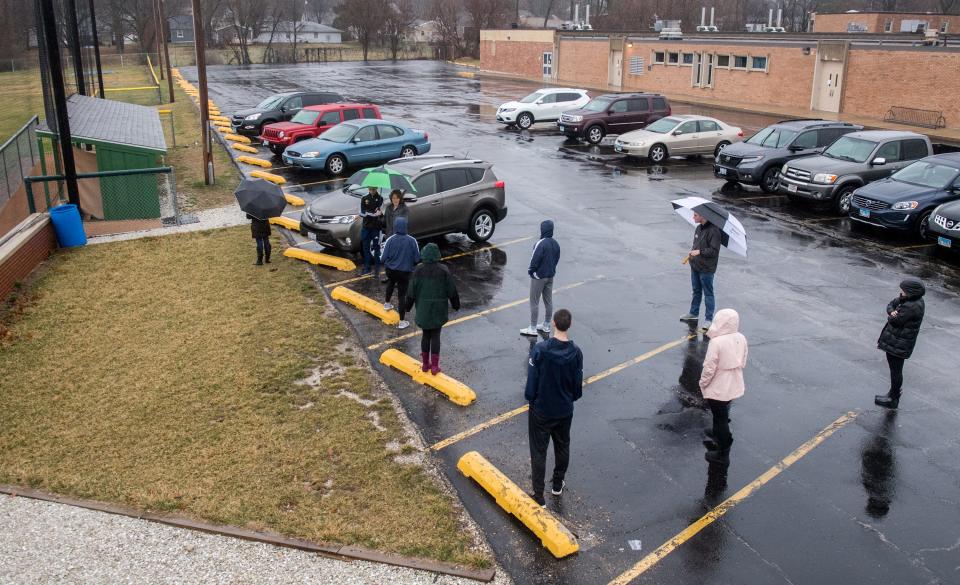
point(364, 303)
point(455, 390)
point(594, 378)
point(745, 492)
point(252, 160)
point(914, 246)
point(476, 315)
point(552, 533)
point(243, 148)
point(450, 257)
point(287, 222)
point(293, 199)
point(120, 89)
point(268, 176)
point(321, 260)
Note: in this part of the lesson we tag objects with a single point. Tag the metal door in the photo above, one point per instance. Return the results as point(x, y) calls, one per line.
point(828, 92)
point(615, 75)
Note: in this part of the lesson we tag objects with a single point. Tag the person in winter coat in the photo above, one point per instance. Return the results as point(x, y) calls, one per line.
point(543, 267)
point(899, 336)
point(704, 256)
point(400, 255)
point(260, 230)
point(554, 383)
point(394, 208)
point(431, 288)
point(722, 380)
point(371, 214)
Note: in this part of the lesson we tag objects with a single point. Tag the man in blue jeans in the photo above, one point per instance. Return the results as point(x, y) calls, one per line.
point(704, 256)
point(371, 217)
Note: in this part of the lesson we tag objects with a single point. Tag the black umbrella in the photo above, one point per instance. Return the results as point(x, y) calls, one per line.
point(261, 199)
point(734, 237)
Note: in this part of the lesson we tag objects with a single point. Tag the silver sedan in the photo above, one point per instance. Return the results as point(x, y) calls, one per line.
point(680, 135)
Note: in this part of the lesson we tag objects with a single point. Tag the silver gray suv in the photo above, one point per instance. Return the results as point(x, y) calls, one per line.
point(452, 195)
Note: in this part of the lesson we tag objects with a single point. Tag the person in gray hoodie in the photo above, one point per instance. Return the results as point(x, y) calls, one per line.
point(399, 257)
point(542, 269)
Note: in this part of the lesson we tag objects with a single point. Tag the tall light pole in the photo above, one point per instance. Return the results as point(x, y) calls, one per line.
point(166, 50)
point(96, 48)
point(200, 46)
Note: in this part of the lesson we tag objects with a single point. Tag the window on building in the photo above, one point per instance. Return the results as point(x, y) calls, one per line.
point(316, 35)
point(758, 63)
point(944, 26)
point(739, 61)
point(673, 58)
point(697, 70)
point(636, 65)
point(548, 64)
point(688, 58)
point(180, 34)
point(659, 57)
point(888, 26)
point(723, 60)
point(709, 63)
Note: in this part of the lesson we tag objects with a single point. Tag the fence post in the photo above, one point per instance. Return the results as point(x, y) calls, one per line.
point(30, 203)
point(43, 165)
point(6, 176)
point(19, 158)
point(173, 131)
point(172, 179)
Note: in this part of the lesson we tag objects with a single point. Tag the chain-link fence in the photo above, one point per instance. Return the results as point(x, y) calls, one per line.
point(18, 157)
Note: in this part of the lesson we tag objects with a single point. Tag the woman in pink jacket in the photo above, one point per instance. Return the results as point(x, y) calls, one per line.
point(722, 380)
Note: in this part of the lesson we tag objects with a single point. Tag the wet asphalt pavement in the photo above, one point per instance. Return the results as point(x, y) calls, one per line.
point(876, 502)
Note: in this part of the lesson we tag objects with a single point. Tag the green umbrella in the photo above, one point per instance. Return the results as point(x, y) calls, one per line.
point(382, 178)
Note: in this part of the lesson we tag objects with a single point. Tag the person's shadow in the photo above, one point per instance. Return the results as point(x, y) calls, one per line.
point(878, 466)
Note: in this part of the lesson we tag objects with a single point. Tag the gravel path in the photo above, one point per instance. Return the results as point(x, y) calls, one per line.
point(44, 542)
point(219, 217)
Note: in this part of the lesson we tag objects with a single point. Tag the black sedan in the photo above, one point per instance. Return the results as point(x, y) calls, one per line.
point(905, 200)
point(945, 225)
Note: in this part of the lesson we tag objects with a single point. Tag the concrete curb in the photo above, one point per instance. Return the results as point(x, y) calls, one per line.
point(335, 551)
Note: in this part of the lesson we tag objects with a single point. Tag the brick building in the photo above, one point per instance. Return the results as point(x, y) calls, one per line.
point(883, 22)
point(853, 74)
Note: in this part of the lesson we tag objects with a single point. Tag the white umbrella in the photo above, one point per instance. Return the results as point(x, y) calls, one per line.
point(734, 236)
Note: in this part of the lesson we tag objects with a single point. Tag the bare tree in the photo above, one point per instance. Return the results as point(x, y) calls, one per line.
point(446, 13)
point(400, 17)
point(947, 6)
point(246, 17)
point(366, 18)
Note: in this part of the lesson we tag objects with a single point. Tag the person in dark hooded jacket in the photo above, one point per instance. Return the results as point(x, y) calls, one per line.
point(899, 336)
point(554, 383)
point(260, 230)
point(430, 290)
point(542, 269)
point(399, 257)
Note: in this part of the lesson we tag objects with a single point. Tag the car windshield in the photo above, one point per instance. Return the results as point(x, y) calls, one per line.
point(927, 174)
point(531, 98)
point(851, 149)
point(306, 117)
point(597, 105)
point(772, 137)
point(663, 125)
point(357, 191)
point(270, 103)
point(339, 133)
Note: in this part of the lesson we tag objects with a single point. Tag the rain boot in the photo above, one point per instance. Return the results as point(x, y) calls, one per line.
point(266, 257)
point(259, 261)
point(889, 400)
point(425, 361)
point(435, 363)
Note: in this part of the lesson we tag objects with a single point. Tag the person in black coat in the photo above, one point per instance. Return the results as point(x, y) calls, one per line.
point(260, 230)
point(899, 336)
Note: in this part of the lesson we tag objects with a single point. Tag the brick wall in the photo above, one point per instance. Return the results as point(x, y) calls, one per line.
point(879, 79)
point(875, 22)
point(25, 251)
point(583, 62)
point(522, 58)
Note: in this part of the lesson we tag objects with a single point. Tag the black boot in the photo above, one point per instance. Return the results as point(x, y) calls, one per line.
point(259, 261)
point(266, 258)
point(719, 456)
point(889, 400)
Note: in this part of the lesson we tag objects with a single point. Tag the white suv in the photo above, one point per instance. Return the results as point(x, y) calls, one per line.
point(543, 105)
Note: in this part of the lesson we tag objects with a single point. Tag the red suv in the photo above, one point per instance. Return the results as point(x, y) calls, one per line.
point(616, 113)
point(313, 121)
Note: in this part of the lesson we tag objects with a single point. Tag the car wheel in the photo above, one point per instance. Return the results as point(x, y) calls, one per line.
point(658, 153)
point(524, 121)
point(923, 225)
point(336, 164)
point(595, 134)
point(720, 146)
point(277, 149)
point(408, 151)
point(481, 226)
point(841, 204)
point(770, 180)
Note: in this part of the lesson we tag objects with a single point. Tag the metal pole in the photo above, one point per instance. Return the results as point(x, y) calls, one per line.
point(200, 46)
point(166, 54)
point(74, 34)
point(159, 30)
point(60, 99)
point(96, 48)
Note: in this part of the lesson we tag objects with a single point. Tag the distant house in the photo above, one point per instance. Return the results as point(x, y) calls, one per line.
point(424, 31)
point(529, 20)
point(301, 32)
point(181, 28)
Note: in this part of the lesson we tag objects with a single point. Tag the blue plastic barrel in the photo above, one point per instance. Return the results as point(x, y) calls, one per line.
point(67, 224)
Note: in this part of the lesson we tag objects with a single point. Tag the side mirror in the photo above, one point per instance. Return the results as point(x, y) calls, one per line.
point(409, 198)
point(283, 108)
point(879, 161)
point(795, 148)
point(677, 132)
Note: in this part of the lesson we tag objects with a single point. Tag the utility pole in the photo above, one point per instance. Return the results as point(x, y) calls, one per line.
point(200, 45)
point(52, 44)
point(166, 52)
point(159, 32)
point(96, 48)
point(73, 32)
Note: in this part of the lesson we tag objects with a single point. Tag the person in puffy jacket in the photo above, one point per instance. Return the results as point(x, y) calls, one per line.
point(721, 381)
point(260, 230)
point(431, 288)
point(542, 269)
point(399, 257)
point(703, 258)
point(899, 336)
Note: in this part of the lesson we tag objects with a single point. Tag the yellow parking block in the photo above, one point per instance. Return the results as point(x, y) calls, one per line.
point(270, 177)
point(351, 297)
point(243, 148)
point(220, 119)
point(456, 391)
point(237, 138)
point(287, 222)
point(293, 199)
point(252, 160)
point(554, 535)
point(213, 112)
point(322, 259)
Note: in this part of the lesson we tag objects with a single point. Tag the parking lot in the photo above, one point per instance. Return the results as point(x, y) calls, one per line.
point(877, 501)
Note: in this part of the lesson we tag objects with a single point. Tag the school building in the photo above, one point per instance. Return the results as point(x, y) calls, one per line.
point(863, 75)
point(883, 22)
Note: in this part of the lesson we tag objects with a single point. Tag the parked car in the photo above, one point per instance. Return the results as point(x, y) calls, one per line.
point(278, 108)
point(682, 135)
point(543, 105)
point(359, 142)
point(849, 163)
point(945, 225)
point(452, 196)
point(906, 200)
point(758, 159)
point(312, 121)
point(615, 113)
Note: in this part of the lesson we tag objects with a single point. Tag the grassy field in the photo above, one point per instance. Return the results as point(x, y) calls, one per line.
point(171, 375)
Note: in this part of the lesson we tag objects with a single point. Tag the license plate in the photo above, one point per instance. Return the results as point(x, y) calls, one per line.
point(864, 213)
point(721, 171)
point(792, 188)
point(945, 242)
point(560, 126)
point(618, 148)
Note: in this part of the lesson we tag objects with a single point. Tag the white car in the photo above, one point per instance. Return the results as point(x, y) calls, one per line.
point(679, 135)
point(543, 105)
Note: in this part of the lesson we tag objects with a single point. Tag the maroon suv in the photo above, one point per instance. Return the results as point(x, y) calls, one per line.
point(615, 113)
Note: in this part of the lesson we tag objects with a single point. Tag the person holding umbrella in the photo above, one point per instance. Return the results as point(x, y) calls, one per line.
point(430, 290)
point(260, 200)
point(260, 229)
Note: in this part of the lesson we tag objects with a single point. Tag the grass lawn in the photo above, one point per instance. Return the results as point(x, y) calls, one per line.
point(171, 375)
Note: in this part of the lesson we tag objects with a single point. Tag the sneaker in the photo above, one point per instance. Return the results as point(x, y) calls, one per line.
point(387, 306)
point(558, 490)
point(706, 325)
point(544, 327)
point(403, 324)
point(539, 500)
point(689, 317)
point(529, 331)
